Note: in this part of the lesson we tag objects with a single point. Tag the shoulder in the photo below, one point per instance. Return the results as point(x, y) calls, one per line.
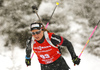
point(56, 37)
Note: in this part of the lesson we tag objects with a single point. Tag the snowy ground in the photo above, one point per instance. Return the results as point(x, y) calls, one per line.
point(15, 60)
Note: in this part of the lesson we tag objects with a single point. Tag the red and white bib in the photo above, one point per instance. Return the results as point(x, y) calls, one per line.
point(45, 52)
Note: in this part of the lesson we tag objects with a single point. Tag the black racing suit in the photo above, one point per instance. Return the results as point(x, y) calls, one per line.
point(60, 63)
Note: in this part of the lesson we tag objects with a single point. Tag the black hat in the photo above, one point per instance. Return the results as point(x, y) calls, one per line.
point(36, 26)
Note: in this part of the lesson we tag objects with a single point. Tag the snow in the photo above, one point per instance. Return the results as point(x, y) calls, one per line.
point(45, 7)
point(74, 27)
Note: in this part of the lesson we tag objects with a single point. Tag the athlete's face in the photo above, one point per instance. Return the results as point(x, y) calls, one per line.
point(37, 34)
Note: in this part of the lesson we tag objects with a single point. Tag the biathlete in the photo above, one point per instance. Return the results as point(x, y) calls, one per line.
point(45, 45)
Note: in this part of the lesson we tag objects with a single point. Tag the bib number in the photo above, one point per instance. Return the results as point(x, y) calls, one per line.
point(45, 56)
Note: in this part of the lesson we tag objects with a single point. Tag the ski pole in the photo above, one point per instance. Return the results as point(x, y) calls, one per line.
point(88, 39)
point(35, 11)
point(52, 14)
point(32, 55)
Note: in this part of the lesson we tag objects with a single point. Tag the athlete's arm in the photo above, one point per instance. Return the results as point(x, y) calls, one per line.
point(56, 39)
point(28, 48)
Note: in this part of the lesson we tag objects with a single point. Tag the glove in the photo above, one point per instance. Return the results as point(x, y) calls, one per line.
point(76, 60)
point(28, 61)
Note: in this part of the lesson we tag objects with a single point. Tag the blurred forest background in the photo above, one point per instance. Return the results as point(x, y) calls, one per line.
point(73, 19)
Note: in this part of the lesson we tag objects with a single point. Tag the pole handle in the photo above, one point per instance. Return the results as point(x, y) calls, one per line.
point(34, 9)
point(57, 3)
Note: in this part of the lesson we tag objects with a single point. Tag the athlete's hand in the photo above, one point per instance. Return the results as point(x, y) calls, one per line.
point(28, 62)
point(76, 60)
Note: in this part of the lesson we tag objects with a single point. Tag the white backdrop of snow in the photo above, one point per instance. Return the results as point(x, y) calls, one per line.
point(16, 60)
